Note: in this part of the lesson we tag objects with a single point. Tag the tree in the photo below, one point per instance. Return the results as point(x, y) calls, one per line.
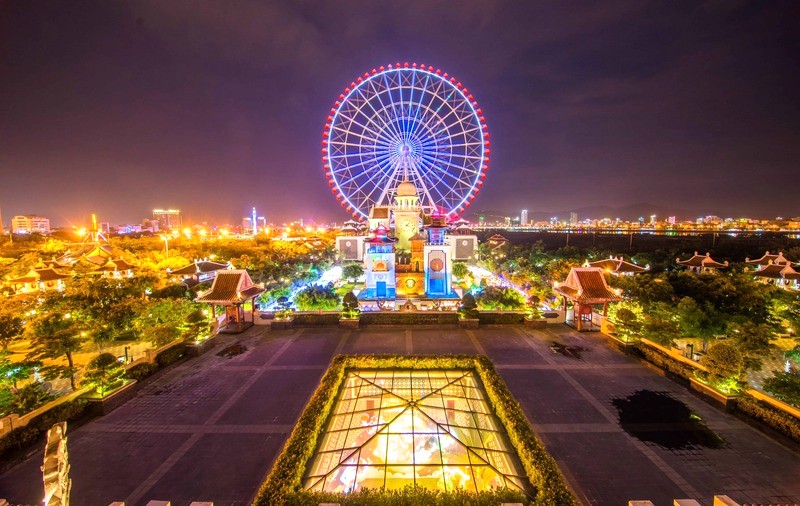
point(56, 336)
point(469, 307)
point(197, 326)
point(627, 324)
point(493, 297)
point(693, 320)
point(315, 297)
point(352, 271)
point(28, 398)
point(12, 372)
point(460, 270)
point(753, 341)
point(784, 386)
point(104, 373)
point(11, 327)
point(350, 307)
point(725, 366)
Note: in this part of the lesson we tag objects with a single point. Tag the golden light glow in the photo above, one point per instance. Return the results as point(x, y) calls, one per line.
point(432, 429)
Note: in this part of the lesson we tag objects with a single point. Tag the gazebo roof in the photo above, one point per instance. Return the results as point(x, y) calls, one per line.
point(232, 286)
point(769, 259)
point(381, 236)
point(201, 266)
point(617, 264)
point(777, 271)
point(587, 285)
point(35, 275)
point(97, 254)
point(702, 261)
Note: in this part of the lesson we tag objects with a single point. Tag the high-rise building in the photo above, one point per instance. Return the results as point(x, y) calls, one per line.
point(168, 218)
point(573, 218)
point(523, 218)
point(30, 223)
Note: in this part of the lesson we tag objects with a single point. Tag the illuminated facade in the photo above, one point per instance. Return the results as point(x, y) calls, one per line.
point(429, 428)
point(30, 224)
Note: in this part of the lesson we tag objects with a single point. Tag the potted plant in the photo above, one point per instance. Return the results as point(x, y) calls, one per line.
point(468, 312)
point(533, 316)
point(284, 315)
point(351, 311)
point(104, 373)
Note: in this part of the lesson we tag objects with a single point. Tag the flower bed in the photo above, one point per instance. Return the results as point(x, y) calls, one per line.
point(283, 485)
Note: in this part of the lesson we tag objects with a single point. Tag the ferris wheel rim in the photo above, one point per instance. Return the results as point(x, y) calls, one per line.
point(456, 171)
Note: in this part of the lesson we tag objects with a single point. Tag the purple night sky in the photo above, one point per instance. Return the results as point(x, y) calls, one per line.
point(213, 107)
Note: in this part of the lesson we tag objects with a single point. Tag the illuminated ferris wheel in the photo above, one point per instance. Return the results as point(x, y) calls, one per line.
point(405, 121)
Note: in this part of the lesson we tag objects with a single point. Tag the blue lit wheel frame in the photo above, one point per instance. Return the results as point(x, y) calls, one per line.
point(405, 119)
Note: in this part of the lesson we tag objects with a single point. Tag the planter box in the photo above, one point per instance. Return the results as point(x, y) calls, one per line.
point(727, 402)
point(468, 323)
point(349, 323)
point(195, 350)
point(283, 324)
point(620, 345)
point(105, 405)
point(536, 323)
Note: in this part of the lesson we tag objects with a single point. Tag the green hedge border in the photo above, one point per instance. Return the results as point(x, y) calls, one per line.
point(286, 476)
point(775, 419)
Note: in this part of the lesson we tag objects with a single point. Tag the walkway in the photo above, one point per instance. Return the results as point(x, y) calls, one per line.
point(209, 428)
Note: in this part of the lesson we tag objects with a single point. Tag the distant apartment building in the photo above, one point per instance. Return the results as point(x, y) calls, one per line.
point(29, 224)
point(523, 218)
point(168, 218)
point(573, 218)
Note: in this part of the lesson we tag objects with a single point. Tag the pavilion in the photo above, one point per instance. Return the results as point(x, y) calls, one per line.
point(39, 280)
point(232, 289)
point(769, 259)
point(617, 266)
point(701, 263)
point(496, 241)
point(782, 275)
point(585, 287)
point(199, 271)
point(116, 269)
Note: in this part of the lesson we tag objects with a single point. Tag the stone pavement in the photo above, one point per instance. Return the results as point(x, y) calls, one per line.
point(210, 428)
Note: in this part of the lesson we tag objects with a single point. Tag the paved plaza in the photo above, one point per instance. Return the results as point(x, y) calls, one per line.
point(210, 428)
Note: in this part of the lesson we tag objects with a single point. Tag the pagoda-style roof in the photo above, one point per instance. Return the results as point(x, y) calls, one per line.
point(199, 267)
point(768, 259)
point(232, 286)
point(53, 264)
point(37, 275)
point(115, 265)
point(777, 271)
point(97, 254)
point(587, 285)
point(380, 236)
point(496, 241)
point(617, 265)
point(416, 237)
point(702, 261)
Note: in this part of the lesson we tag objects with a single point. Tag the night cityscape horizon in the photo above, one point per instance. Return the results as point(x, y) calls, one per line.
point(145, 105)
point(410, 253)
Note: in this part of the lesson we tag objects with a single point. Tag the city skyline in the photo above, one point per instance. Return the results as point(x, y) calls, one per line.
point(118, 109)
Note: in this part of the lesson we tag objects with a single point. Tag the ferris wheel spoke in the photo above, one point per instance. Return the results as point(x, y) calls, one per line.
point(375, 114)
point(379, 96)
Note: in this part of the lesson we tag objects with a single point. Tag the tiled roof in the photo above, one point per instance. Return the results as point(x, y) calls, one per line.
point(231, 287)
point(35, 275)
point(777, 271)
point(769, 259)
point(617, 265)
point(122, 265)
point(200, 266)
point(701, 261)
point(587, 285)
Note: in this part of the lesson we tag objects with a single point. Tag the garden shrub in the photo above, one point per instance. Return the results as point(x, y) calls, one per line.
point(314, 319)
point(725, 368)
point(141, 371)
point(780, 421)
point(665, 362)
point(170, 356)
point(104, 373)
point(490, 318)
point(468, 307)
point(420, 318)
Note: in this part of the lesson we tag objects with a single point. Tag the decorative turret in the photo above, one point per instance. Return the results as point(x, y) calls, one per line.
point(406, 211)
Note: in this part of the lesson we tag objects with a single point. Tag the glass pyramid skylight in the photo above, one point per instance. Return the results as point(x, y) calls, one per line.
point(392, 428)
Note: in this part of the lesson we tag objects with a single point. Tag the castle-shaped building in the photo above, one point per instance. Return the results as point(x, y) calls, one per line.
point(412, 261)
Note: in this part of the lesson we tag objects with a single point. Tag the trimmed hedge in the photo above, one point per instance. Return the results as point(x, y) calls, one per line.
point(170, 356)
point(283, 485)
point(314, 319)
point(776, 419)
point(23, 437)
point(492, 318)
point(408, 495)
point(665, 362)
point(421, 318)
point(141, 371)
